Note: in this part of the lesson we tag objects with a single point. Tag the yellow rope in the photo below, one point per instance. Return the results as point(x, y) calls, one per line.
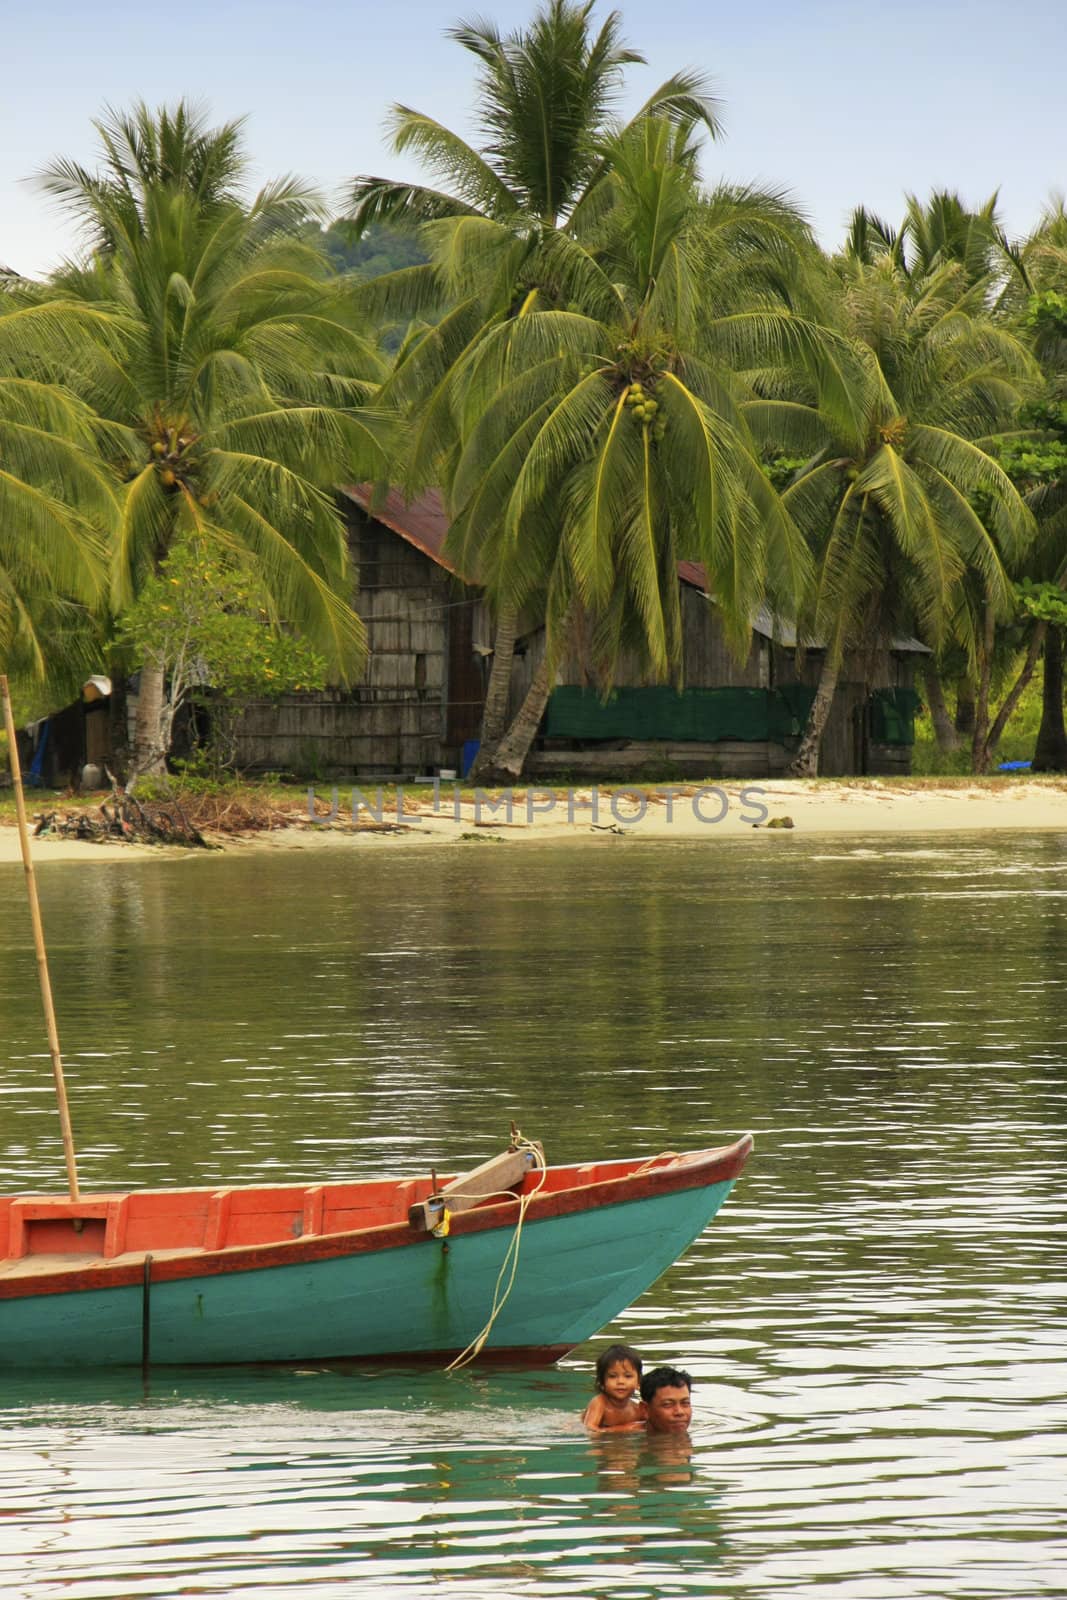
point(511, 1255)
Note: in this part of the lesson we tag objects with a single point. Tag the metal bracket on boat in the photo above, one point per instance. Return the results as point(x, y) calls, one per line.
point(495, 1177)
point(444, 1227)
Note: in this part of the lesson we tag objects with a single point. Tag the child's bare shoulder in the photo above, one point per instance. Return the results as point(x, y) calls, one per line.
point(613, 1416)
point(593, 1415)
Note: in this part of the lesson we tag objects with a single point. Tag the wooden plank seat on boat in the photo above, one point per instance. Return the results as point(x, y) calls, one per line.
point(502, 1174)
point(44, 1265)
point(47, 1225)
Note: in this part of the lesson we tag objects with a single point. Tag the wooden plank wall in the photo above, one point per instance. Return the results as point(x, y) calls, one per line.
point(393, 720)
point(842, 753)
point(709, 662)
point(726, 758)
point(416, 702)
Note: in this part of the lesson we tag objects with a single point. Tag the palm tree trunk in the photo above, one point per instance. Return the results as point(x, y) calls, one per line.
point(805, 763)
point(965, 706)
point(983, 754)
point(513, 749)
point(118, 761)
point(980, 751)
point(1050, 753)
point(150, 742)
point(944, 730)
point(495, 712)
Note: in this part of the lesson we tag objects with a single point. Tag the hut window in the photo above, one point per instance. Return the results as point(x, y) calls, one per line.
point(420, 672)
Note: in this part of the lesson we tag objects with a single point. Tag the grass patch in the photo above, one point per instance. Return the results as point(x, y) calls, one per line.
point(1017, 743)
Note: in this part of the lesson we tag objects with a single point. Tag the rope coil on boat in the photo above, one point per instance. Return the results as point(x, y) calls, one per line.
point(510, 1263)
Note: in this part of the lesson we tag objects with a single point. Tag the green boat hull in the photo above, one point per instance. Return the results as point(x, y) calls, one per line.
point(428, 1298)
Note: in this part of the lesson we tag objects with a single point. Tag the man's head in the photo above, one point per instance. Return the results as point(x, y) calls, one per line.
point(666, 1393)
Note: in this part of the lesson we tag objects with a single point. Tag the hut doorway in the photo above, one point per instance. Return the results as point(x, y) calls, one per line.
point(466, 678)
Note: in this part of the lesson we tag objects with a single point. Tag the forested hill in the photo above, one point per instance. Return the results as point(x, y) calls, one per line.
point(380, 250)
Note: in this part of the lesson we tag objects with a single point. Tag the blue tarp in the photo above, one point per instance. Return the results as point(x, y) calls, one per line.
point(35, 775)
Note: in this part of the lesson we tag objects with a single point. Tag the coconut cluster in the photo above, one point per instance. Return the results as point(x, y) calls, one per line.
point(172, 454)
point(644, 408)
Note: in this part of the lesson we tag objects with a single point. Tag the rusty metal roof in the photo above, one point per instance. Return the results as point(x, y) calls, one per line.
point(771, 626)
point(422, 521)
point(692, 572)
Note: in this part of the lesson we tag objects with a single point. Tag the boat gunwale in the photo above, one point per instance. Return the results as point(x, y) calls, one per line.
point(641, 1181)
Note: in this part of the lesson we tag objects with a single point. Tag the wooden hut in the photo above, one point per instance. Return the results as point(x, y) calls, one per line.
point(420, 698)
point(417, 708)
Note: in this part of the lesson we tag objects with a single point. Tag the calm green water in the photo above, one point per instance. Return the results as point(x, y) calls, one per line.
point(875, 1321)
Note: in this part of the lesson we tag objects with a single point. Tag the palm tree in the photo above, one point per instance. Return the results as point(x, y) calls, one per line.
point(1039, 463)
point(144, 149)
point(602, 443)
point(231, 385)
point(56, 501)
point(548, 135)
point(934, 233)
point(945, 229)
point(545, 95)
point(889, 497)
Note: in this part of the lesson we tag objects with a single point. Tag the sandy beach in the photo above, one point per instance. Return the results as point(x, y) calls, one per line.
point(685, 811)
point(706, 812)
point(72, 849)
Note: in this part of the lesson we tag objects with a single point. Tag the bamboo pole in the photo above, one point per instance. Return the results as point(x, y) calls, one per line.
point(38, 939)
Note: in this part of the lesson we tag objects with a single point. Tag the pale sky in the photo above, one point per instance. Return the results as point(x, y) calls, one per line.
point(841, 103)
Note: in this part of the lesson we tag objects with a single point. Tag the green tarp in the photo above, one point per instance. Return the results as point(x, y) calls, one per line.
point(893, 716)
point(695, 715)
point(798, 697)
point(705, 716)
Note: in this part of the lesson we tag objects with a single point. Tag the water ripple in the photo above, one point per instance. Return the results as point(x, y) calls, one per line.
point(874, 1324)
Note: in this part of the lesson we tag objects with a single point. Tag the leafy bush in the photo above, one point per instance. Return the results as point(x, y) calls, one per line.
point(205, 620)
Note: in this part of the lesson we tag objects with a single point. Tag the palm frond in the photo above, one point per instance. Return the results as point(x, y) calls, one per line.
point(922, 538)
point(372, 201)
point(852, 570)
point(787, 428)
point(600, 498)
point(313, 600)
point(452, 159)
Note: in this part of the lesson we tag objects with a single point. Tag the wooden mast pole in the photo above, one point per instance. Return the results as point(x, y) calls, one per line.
point(38, 939)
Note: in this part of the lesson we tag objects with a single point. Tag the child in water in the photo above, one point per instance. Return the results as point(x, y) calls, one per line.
point(615, 1404)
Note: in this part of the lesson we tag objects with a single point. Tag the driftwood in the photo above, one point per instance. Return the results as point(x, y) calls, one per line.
point(124, 818)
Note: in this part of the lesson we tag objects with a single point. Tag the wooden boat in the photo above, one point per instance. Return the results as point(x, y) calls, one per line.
point(401, 1270)
point(395, 1269)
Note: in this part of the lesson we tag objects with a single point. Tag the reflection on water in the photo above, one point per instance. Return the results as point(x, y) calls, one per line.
point(402, 1481)
point(874, 1322)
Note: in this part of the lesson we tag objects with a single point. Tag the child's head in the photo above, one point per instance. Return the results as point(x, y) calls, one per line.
point(623, 1357)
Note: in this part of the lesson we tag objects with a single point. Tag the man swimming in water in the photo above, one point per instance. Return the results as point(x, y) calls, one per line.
point(667, 1393)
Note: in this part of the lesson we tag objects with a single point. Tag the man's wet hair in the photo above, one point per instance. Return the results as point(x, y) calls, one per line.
point(664, 1378)
point(616, 1352)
